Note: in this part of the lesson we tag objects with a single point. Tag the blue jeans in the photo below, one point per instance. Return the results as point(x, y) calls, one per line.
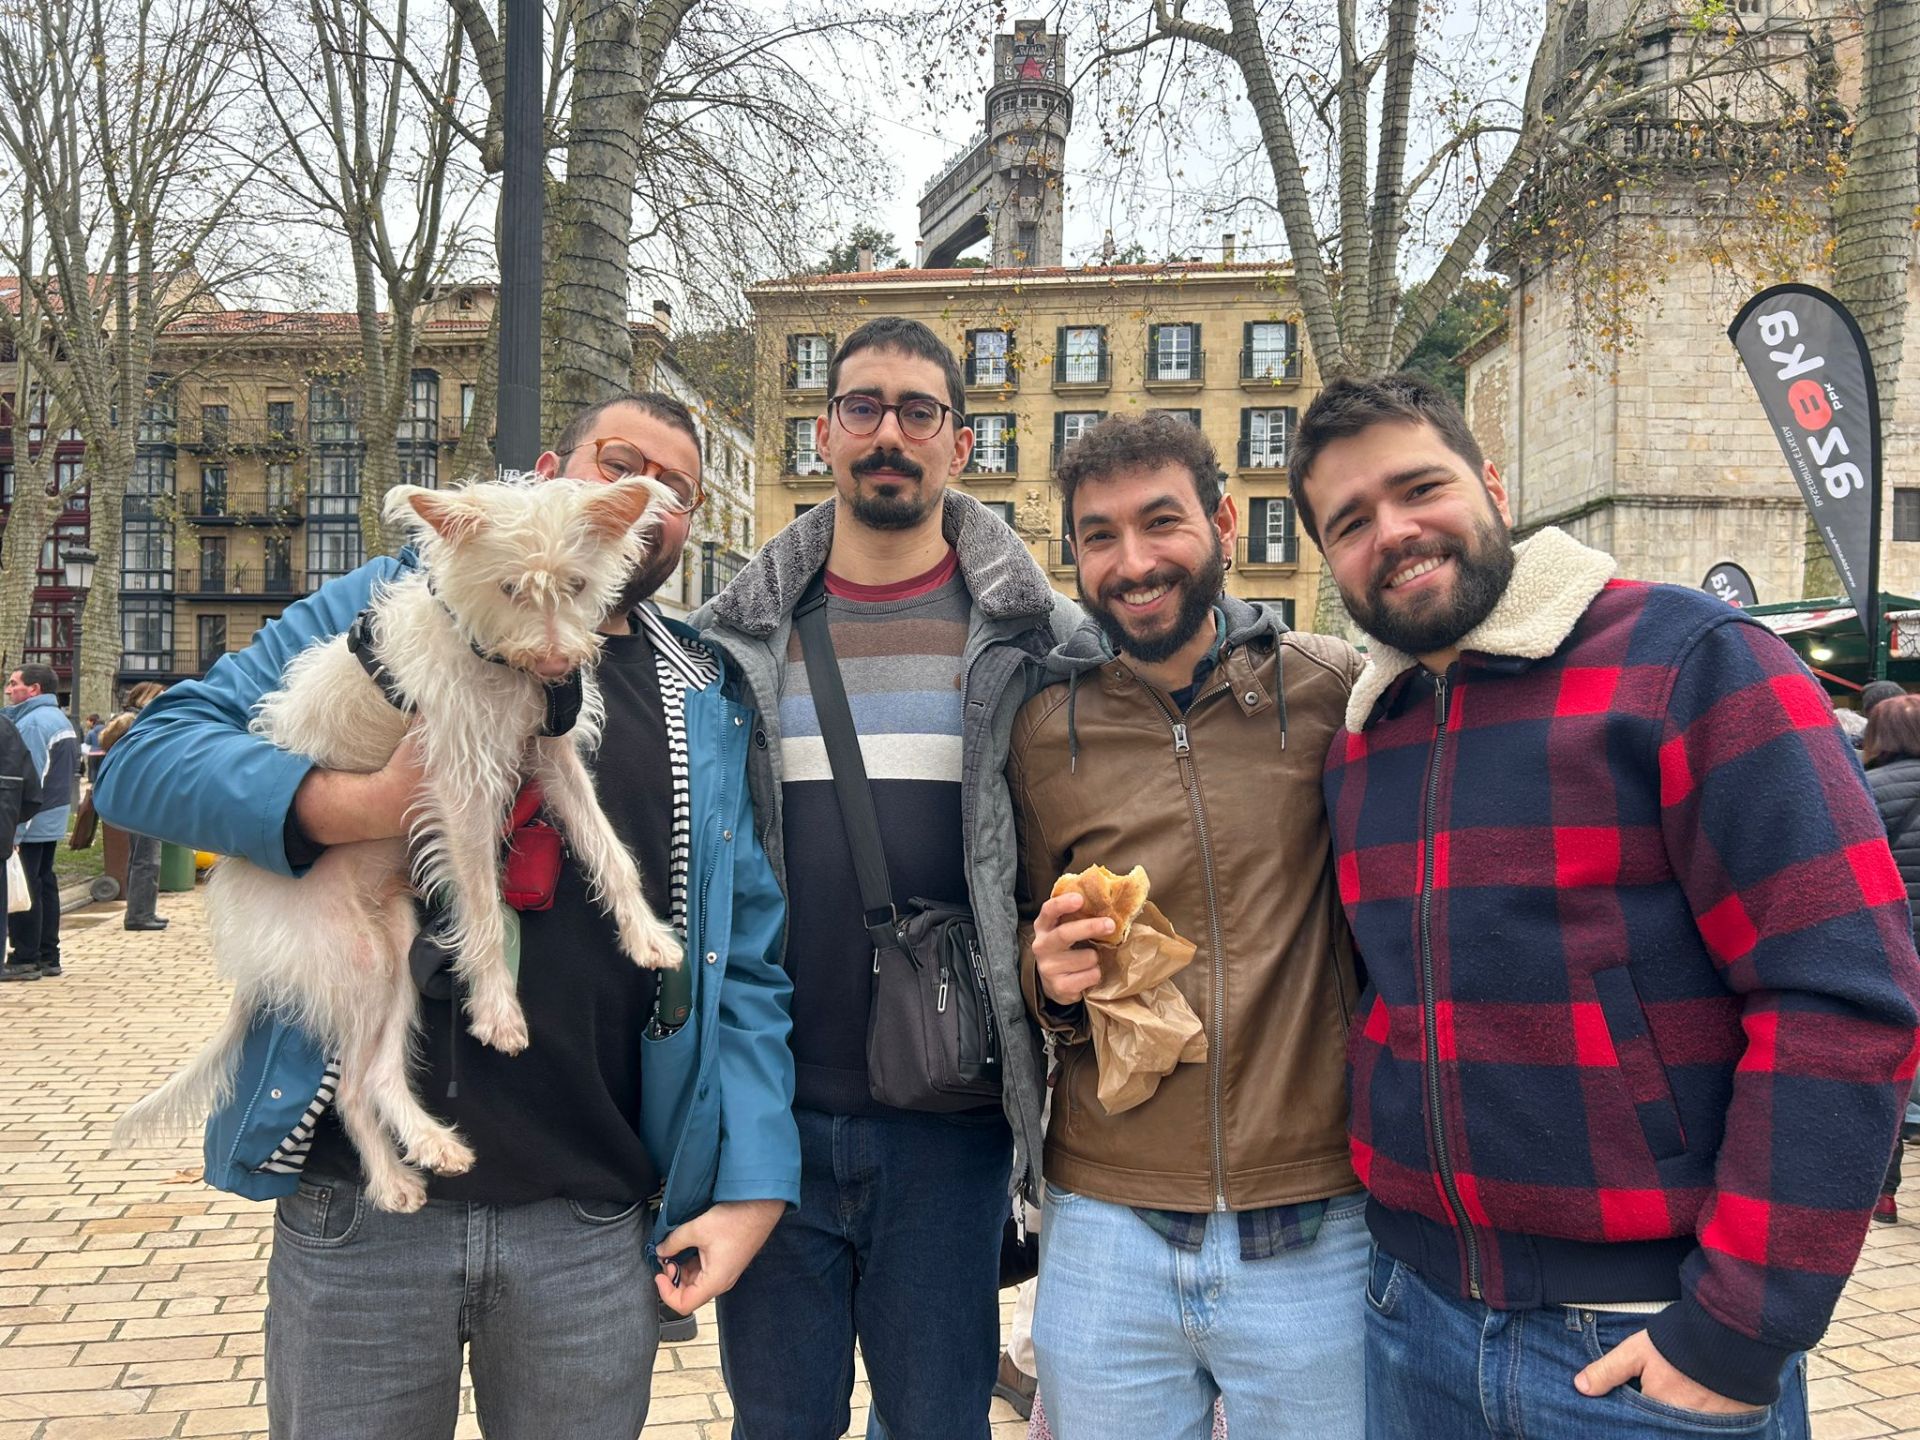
point(1134, 1336)
point(896, 1242)
point(368, 1312)
point(1441, 1368)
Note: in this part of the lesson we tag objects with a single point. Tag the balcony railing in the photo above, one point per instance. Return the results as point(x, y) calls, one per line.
point(1266, 550)
point(235, 436)
point(1083, 369)
point(1060, 552)
point(1000, 459)
point(232, 580)
point(1262, 455)
point(1192, 370)
point(797, 464)
point(1270, 367)
point(1000, 376)
point(241, 507)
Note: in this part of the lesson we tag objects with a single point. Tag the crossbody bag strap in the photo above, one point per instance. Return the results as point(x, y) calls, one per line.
point(850, 785)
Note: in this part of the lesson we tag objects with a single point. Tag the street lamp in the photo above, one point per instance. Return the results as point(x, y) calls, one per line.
point(79, 564)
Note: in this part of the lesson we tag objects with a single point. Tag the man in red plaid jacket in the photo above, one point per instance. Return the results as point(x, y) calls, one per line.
point(1643, 989)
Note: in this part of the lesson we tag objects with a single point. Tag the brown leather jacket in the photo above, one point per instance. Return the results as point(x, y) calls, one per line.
point(1222, 805)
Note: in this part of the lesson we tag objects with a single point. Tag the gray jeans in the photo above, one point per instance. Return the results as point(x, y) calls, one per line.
point(143, 877)
point(368, 1312)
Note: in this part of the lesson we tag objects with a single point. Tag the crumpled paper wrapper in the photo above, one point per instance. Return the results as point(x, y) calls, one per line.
point(1141, 1025)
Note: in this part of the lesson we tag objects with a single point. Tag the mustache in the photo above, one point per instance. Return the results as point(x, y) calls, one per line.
point(887, 460)
point(1444, 548)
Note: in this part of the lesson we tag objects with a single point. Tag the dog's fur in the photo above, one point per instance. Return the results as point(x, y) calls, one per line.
point(523, 572)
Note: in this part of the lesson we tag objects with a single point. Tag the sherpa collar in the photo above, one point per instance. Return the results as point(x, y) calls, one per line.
point(1555, 579)
point(999, 573)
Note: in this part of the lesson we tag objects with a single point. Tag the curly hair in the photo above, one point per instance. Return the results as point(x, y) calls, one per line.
point(1140, 442)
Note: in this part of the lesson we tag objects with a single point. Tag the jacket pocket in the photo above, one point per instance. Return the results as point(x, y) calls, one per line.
point(1639, 1062)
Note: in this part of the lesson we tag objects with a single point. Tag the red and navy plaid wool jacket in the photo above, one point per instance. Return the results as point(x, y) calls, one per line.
point(1642, 986)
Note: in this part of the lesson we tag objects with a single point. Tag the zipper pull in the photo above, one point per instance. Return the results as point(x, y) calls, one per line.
point(940, 1003)
point(1440, 702)
point(1180, 745)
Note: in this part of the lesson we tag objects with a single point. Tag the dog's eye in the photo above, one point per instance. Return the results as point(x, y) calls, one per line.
point(577, 584)
point(509, 589)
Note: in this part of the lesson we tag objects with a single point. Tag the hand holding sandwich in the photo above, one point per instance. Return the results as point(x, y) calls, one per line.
point(1081, 913)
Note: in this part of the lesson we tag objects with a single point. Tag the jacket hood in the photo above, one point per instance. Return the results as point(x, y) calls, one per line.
point(1087, 648)
point(1555, 578)
point(1000, 575)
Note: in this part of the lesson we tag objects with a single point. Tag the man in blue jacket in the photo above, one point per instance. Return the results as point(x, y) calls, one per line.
point(537, 1261)
point(34, 708)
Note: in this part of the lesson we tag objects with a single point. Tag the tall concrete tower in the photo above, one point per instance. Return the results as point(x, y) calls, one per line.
point(1008, 182)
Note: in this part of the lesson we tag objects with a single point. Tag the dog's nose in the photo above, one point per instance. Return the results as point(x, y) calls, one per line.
point(553, 667)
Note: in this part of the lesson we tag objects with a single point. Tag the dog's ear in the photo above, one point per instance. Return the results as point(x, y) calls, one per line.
point(448, 513)
point(615, 509)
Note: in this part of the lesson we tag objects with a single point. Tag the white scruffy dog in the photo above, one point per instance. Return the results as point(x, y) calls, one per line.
point(517, 576)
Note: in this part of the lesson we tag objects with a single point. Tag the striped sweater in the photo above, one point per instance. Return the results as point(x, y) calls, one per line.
point(899, 649)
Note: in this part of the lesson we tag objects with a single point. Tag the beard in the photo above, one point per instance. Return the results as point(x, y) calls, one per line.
point(1195, 593)
point(1483, 566)
point(648, 576)
point(902, 511)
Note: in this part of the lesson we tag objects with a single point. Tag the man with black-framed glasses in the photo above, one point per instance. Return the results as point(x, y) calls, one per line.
point(937, 616)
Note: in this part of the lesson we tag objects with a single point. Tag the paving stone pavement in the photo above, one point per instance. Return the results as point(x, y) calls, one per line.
point(131, 1295)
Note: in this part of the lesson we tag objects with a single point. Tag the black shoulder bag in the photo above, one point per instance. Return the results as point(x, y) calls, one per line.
point(931, 1039)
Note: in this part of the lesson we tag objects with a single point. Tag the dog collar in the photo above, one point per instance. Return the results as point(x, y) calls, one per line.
point(564, 697)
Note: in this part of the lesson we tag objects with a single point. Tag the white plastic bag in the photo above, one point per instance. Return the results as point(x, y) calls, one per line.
point(18, 896)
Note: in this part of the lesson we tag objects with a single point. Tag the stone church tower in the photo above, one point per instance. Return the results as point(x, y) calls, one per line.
point(1660, 453)
point(1007, 183)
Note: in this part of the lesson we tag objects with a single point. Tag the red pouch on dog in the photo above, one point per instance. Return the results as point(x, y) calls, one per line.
point(532, 869)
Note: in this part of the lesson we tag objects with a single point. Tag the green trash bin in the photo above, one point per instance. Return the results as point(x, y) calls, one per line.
point(176, 867)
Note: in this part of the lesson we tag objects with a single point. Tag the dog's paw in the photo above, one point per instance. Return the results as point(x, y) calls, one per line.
point(505, 1031)
point(402, 1196)
point(443, 1154)
point(655, 947)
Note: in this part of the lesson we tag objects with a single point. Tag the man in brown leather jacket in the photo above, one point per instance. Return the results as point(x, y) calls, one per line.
point(1210, 1240)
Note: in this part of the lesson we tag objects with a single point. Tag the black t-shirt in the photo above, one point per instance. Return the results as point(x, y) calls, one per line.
point(562, 1118)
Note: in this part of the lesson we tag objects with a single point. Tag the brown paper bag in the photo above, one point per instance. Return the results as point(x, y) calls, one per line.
point(1141, 1025)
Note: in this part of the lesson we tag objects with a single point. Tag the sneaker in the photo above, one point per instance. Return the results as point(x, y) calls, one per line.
point(1885, 1212)
point(53, 971)
point(154, 924)
point(19, 972)
point(1015, 1386)
point(1910, 1132)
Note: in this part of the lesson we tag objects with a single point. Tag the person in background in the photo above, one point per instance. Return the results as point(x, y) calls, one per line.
point(1892, 757)
point(34, 707)
point(143, 851)
point(1874, 692)
point(19, 800)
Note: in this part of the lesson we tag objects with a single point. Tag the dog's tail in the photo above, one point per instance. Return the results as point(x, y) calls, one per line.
point(189, 1097)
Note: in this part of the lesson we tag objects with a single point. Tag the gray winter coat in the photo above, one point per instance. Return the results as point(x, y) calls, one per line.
point(1017, 619)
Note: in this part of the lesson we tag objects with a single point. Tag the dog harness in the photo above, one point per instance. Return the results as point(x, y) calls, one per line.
point(564, 697)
